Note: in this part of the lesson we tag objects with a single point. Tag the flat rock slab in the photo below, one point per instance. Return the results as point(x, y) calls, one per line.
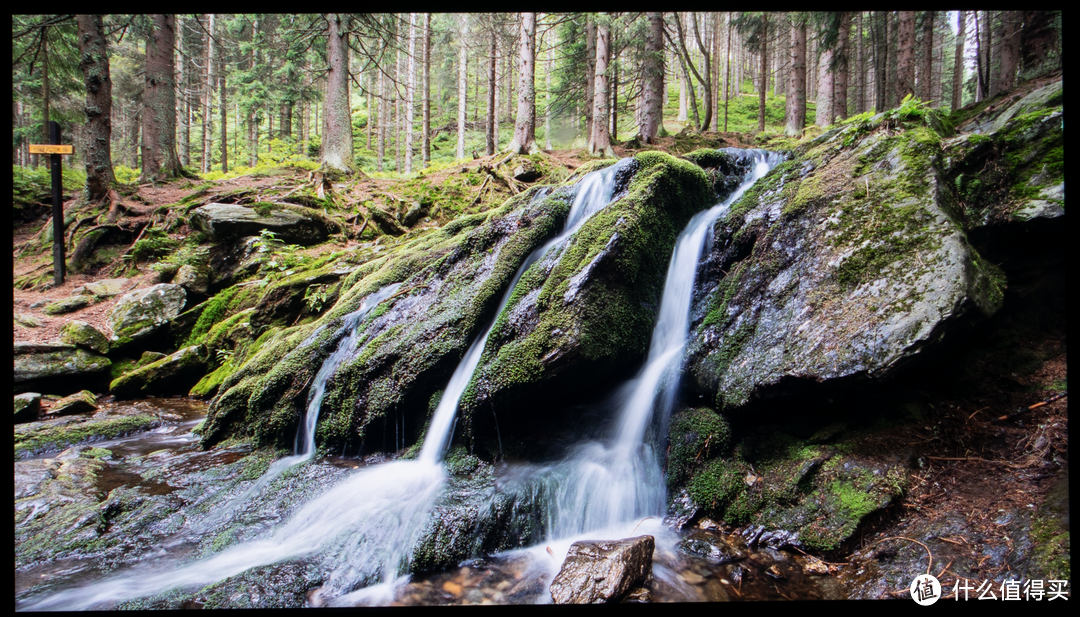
point(56, 361)
point(106, 288)
point(67, 305)
point(232, 221)
point(80, 402)
point(602, 571)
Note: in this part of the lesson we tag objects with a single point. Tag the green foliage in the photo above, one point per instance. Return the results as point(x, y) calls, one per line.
point(154, 243)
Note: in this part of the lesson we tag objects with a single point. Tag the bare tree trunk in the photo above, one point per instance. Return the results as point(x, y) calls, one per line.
point(840, 85)
point(463, 84)
point(926, 66)
point(600, 143)
point(687, 66)
point(491, 112)
point(764, 71)
point(727, 80)
point(410, 92)
point(881, 42)
point(707, 81)
point(381, 132)
point(590, 73)
point(861, 104)
point(208, 99)
point(1010, 46)
point(824, 89)
point(159, 100)
point(524, 141)
point(892, 100)
point(905, 55)
point(796, 94)
point(426, 143)
point(337, 140)
point(652, 78)
point(547, 96)
point(183, 110)
point(222, 107)
point(94, 62)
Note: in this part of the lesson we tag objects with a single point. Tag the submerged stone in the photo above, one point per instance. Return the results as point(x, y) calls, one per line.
point(595, 572)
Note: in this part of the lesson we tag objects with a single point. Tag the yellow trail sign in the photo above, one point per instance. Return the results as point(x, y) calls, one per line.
point(51, 149)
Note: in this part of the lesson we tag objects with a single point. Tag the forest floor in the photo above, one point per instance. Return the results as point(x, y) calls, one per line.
point(973, 480)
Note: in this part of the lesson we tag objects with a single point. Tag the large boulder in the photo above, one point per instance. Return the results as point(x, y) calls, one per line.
point(34, 361)
point(451, 279)
point(290, 224)
point(844, 262)
point(82, 334)
point(583, 316)
point(139, 314)
point(602, 571)
point(175, 373)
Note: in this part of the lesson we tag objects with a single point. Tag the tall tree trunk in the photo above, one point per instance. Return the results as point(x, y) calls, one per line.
point(94, 62)
point(840, 85)
point(614, 100)
point(652, 78)
point(795, 119)
point(892, 100)
point(463, 84)
point(1010, 45)
point(926, 66)
point(183, 110)
point(861, 104)
point(707, 82)
point(159, 101)
point(881, 44)
point(524, 141)
point(590, 73)
point(993, 30)
point(905, 55)
point(381, 133)
point(980, 84)
point(337, 139)
point(410, 93)
point(426, 122)
point(764, 71)
point(600, 143)
point(824, 89)
point(1038, 39)
point(222, 107)
point(491, 112)
point(208, 99)
point(687, 66)
point(547, 95)
point(727, 79)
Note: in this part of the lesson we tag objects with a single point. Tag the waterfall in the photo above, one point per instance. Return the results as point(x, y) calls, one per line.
point(605, 486)
point(363, 529)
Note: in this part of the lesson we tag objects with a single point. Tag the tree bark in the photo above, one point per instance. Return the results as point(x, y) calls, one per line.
point(337, 139)
point(763, 90)
point(590, 73)
point(426, 123)
point(840, 84)
point(183, 110)
point(1010, 44)
point(463, 84)
point(94, 62)
point(795, 110)
point(600, 143)
point(491, 111)
point(547, 95)
point(208, 99)
point(926, 65)
point(652, 78)
point(861, 103)
point(159, 103)
point(825, 89)
point(381, 132)
point(524, 141)
point(881, 42)
point(687, 66)
point(1037, 39)
point(410, 93)
point(905, 55)
point(222, 107)
point(707, 81)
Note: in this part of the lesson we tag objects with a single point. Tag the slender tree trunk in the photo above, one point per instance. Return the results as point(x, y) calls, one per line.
point(426, 122)
point(926, 66)
point(796, 94)
point(491, 112)
point(159, 100)
point(825, 88)
point(980, 83)
point(727, 80)
point(381, 137)
point(905, 55)
point(860, 105)
point(600, 143)
point(687, 66)
point(993, 46)
point(94, 62)
point(371, 112)
point(184, 108)
point(840, 83)
point(881, 44)
point(707, 82)
point(410, 92)
point(590, 75)
point(463, 84)
point(684, 107)
point(208, 99)
point(614, 100)
point(890, 79)
point(547, 95)
point(524, 141)
point(222, 107)
point(337, 139)
point(652, 78)
point(764, 71)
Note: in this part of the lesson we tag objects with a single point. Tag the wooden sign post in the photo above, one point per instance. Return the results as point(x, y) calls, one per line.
point(56, 150)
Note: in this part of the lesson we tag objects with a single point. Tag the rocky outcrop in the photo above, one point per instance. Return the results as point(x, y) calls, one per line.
point(175, 373)
point(193, 278)
point(602, 571)
point(139, 314)
point(582, 316)
point(27, 406)
point(844, 262)
point(35, 362)
point(292, 224)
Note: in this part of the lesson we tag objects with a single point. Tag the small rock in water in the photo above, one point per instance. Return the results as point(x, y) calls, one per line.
point(692, 577)
point(815, 565)
point(452, 588)
point(774, 572)
point(602, 571)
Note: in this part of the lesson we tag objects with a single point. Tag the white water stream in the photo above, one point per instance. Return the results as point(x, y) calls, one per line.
point(362, 529)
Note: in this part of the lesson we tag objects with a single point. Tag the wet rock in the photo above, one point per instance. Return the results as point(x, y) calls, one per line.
point(638, 595)
point(46, 361)
point(80, 402)
point(193, 279)
point(140, 313)
point(275, 586)
point(711, 546)
point(602, 571)
point(56, 434)
point(67, 305)
point(174, 373)
point(292, 225)
point(149, 357)
point(27, 406)
point(681, 511)
point(82, 334)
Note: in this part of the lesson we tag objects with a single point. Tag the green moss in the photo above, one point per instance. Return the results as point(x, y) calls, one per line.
point(696, 435)
point(35, 439)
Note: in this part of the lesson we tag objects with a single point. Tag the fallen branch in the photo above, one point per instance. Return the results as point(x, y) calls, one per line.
point(481, 191)
point(1021, 412)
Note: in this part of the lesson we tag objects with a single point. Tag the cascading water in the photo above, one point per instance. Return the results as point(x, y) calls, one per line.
point(604, 489)
point(362, 530)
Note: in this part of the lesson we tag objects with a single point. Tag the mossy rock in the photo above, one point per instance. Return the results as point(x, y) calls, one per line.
point(56, 435)
point(27, 407)
point(80, 402)
point(39, 362)
point(172, 374)
point(140, 313)
point(292, 225)
point(67, 305)
point(82, 334)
